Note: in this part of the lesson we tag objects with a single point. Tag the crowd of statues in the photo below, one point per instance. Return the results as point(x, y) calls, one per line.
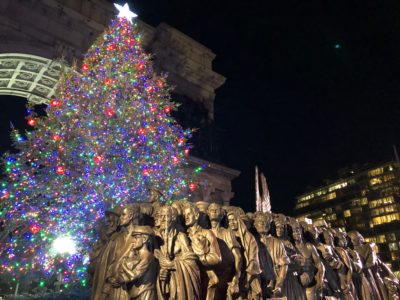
point(201, 250)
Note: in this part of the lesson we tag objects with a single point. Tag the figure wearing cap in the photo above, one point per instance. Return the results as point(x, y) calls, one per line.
point(139, 270)
point(100, 257)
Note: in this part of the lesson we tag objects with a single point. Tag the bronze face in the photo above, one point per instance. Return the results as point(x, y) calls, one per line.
point(261, 225)
point(233, 223)
point(296, 233)
point(138, 240)
point(126, 217)
point(165, 217)
point(214, 212)
point(190, 216)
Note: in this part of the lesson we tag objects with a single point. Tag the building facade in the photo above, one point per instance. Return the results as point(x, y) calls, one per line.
point(366, 200)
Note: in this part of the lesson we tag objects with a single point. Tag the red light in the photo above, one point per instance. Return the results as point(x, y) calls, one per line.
point(167, 109)
point(34, 228)
point(31, 122)
point(141, 66)
point(186, 151)
point(152, 109)
point(109, 112)
point(55, 102)
point(141, 131)
point(175, 160)
point(150, 89)
point(56, 137)
point(60, 170)
point(111, 47)
point(160, 83)
point(85, 67)
point(107, 82)
point(129, 41)
point(181, 142)
point(146, 172)
point(192, 186)
point(98, 159)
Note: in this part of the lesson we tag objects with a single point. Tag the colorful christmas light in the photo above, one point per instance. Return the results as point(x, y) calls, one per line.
point(108, 137)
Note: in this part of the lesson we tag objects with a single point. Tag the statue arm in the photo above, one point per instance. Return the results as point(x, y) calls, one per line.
point(282, 267)
point(138, 270)
point(213, 256)
point(319, 276)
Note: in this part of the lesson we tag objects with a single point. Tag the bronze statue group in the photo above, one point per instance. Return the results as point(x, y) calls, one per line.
point(200, 250)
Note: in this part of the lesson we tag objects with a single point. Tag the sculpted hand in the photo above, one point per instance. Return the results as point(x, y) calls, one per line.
point(113, 281)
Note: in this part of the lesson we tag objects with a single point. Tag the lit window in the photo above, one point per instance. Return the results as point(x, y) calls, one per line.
point(375, 181)
point(321, 192)
point(347, 213)
point(364, 201)
point(393, 246)
point(388, 177)
point(391, 237)
point(331, 196)
point(375, 172)
point(337, 186)
point(380, 202)
point(395, 256)
point(381, 239)
point(384, 210)
point(386, 219)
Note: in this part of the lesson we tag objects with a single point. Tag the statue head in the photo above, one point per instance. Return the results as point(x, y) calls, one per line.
point(356, 238)
point(262, 222)
point(191, 214)
point(141, 236)
point(129, 214)
point(341, 239)
point(166, 217)
point(233, 221)
point(280, 225)
point(312, 230)
point(215, 212)
point(297, 231)
point(155, 195)
point(327, 237)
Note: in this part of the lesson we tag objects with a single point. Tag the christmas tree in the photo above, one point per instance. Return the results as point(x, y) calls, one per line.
point(107, 138)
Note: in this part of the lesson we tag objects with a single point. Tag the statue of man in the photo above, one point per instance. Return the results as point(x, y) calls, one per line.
point(346, 277)
point(138, 271)
point(229, 270)
point(332, 262)
point(155, 198)
point(119, 249)
point(99, 256)
point(276, 261)
point(369, 259)
point(249, 249)
point(312, 270)
point(205, 246)
point(179, 275)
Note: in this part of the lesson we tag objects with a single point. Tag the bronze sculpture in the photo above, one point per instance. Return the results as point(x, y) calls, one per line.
point(205, 246)
point(229, 270)
point(179, 275)
point(138, 271)
point(274, 269)
point(206, 251)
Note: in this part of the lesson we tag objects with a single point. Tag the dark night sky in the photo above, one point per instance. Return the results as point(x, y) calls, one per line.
point(312, 86)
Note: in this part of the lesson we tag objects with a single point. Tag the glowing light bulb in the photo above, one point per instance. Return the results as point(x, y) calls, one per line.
point(64, 245)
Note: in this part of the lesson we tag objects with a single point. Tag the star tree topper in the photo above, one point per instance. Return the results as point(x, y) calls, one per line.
point(124, 12)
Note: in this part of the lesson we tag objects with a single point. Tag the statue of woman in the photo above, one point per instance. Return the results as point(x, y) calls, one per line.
point(310, 268)
point(273, 259)
point(179, 275)
point(369, 260)
point(346, 273)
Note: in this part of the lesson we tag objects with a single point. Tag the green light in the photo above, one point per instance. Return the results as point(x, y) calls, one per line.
point(41, 283)
point(338, 46)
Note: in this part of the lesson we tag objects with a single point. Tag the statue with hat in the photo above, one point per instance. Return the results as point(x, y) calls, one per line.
point(138, 271)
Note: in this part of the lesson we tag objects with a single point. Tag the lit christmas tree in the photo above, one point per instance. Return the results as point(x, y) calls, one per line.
point(107, 138)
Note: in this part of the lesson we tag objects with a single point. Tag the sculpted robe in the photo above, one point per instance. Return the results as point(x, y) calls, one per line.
point(184, 280)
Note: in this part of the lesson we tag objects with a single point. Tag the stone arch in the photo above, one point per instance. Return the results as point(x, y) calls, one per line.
point(30, 76)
